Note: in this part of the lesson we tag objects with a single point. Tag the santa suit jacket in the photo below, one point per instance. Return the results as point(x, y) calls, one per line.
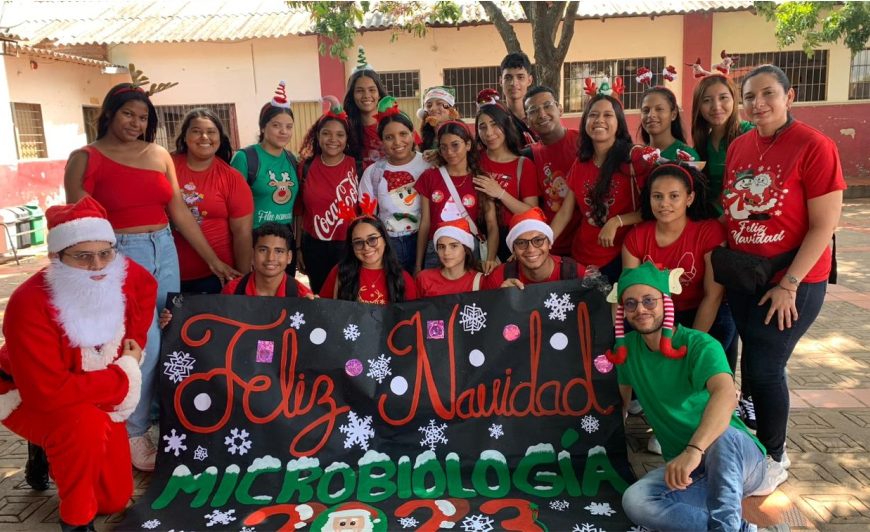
point(40, 367)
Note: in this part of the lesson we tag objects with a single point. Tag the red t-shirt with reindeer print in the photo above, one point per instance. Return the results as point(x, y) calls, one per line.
point(214, 196)
point(324, 188)
point(768, 182)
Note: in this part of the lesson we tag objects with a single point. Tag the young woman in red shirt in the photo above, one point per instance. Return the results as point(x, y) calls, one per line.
point(329, 182)
point(459, 271)
point(217, 196)
point(364, 91)
point(448, 193)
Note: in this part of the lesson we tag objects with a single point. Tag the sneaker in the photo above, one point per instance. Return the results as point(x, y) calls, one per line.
point(36, 468)
point(143, 454)
point(784, 460)
point(747, 412)
point(634, 407)
point(773, 477)
point(654, 446)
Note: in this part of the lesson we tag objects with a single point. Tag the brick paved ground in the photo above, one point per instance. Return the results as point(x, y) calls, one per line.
point(829, 429)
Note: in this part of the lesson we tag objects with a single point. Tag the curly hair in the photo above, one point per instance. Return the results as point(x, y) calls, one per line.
point(115, 99)
point(349, 265)
point(310, 145)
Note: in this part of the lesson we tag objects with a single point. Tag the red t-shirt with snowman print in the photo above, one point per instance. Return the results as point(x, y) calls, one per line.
point(768, 181)
point(442, 208)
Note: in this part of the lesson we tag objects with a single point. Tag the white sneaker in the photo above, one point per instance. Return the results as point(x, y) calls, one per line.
point(634, 407)
point(654, 446)
point(784, 460)
point(143, 454)
point(773, 477)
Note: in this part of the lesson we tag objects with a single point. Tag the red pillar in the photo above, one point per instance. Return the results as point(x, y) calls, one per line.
point(697, 42)
point(331, 71)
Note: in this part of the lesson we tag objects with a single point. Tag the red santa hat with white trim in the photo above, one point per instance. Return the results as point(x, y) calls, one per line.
point(84, 221)
point(531, 220)
point(457, 229)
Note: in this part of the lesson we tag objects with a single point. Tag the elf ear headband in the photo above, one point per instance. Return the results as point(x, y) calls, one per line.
point(334, 110)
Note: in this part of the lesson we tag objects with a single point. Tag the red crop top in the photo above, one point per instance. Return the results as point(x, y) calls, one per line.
point(131, 196)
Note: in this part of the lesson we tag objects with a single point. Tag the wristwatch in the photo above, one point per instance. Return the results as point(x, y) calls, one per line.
point(792, 279)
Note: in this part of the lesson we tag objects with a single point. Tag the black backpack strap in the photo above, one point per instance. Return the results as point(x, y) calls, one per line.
point(243, 284)
point(568, 268)
point(510, 270)
point(290, 288)
point(253, 163)
point(359, 169)
point(292, 160)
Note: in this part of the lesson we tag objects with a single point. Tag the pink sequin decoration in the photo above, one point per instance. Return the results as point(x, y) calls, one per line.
point(602, 364)
point(353, 367)
point(511, 332)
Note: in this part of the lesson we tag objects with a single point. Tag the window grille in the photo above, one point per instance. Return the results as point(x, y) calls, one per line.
point(170, 117)
point(809, 77)
point(859, 77)
point(575, 74)
point(468, 82)
point(402, 84)
point(29, 132)
point(91, 116)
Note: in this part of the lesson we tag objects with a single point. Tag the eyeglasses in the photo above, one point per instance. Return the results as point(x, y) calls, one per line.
point(648, 303)
point(360, 244)
point(522, 243)
point(88, 257)
point(545, 107)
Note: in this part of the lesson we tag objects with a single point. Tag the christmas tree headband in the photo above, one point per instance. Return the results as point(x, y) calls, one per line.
point(720, 69)
point(665, 281)
point(280, 98)
point(361, 61)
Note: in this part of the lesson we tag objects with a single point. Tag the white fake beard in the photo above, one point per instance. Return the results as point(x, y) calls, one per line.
point(90, 311)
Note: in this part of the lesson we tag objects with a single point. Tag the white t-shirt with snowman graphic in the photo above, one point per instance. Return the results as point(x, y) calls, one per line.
point(394, 188)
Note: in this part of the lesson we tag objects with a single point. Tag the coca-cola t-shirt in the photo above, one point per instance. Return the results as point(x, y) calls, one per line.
point(506, 174)
point(768, 181)
point(552, 163)
point(372, 286)
point(442, 208)
point(323, 189)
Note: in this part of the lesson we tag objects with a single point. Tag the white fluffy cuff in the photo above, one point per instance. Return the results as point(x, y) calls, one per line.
point(134, 388)
point(90, 229)
point(9, 401)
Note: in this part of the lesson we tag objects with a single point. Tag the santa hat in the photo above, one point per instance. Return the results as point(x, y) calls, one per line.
point(487, 97)
point(352, 509)
point(531, 220)
point(84, 221)
point(398, 179)
point(457, 229)
point(665, 281)
point(448, 94)
point(280, 98)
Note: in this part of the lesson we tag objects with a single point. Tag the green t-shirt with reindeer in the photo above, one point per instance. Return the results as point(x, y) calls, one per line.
point(275, 187)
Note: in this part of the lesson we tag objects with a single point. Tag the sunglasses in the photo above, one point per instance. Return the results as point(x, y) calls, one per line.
point(360, 244)
point(522, 243)
point(648, 303)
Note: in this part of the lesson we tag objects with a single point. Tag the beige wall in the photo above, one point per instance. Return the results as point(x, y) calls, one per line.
point(245, 73)
point(61, 89)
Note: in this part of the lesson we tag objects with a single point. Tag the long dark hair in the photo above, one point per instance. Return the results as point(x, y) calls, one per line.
point(504, 121)
point(311, 147)
point(401, 118)
point(676, 124)
point(224, 151)
point(694, 181)
point(617, 155)
point(701, 128)
point(115, 99)
point(458, 128)
point(777, 73)
point(354, 115)
point(267, 113)
point(349, 265)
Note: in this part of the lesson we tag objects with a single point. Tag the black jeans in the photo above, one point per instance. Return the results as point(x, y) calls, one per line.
point(722, 329)
point(204, 285)
point(766, 351)
point(320, 256)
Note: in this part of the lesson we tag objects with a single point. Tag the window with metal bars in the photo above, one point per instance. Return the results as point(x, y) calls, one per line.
point(575, 74)
point(809, 77)
point(29, 133)
point(468, 82)
point(401, 84)
point(170, 117)
point(859, 76)
point(91, 116)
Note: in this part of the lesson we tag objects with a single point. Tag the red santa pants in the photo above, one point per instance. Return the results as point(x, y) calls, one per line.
point(88, 455)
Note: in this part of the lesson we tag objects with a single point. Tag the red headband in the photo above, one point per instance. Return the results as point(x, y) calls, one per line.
point(456, 122)
point(685, 172)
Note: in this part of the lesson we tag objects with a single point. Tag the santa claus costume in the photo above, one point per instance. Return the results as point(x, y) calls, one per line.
point(63, 382)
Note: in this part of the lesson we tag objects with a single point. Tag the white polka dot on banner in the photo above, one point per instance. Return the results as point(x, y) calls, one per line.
point(399, 385)
point(202, 402)
point(476, 358)
point(317, 336)
point(559, 341)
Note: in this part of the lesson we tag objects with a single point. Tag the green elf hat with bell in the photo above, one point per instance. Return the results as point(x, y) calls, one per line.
point(665, 281)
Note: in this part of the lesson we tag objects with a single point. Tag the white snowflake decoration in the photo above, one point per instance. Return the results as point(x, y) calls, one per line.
point(472, 318)
point(586, 527)
point(151, 524)
point(432, 434)
point(560, 505)
point(379, 368)
point(218, 517)
point(248, 529)
point(637, 528)
point(238, 442)
point(496, 431)
point(477, 523)
point(179, 366)
point(408, 522)
point(175, 442)
point(351, 332)
point(600, 508)
point(589, 423)
point(297, 320)
point(200, 453)
point(358, 431)
point(559, 306)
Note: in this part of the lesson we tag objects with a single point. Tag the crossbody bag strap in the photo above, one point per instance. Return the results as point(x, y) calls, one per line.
point(520, 177)
point(475, 285)
point(458, 201)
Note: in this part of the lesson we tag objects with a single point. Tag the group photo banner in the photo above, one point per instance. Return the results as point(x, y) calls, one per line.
point(492, 410)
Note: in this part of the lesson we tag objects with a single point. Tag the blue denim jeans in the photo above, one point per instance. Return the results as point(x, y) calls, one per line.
point(156, 253)
point(405, 248)
point(430, 258)
point(766, 351)
point(723, 328)
point(733, 467)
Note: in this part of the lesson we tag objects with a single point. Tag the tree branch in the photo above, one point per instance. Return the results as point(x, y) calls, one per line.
point(567, 30)
point(508, 35)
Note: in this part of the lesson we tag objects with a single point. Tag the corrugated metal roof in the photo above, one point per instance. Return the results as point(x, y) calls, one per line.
point(75, 22)
point(17, 49)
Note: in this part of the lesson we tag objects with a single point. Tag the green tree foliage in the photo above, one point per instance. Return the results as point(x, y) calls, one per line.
point(815, 23)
